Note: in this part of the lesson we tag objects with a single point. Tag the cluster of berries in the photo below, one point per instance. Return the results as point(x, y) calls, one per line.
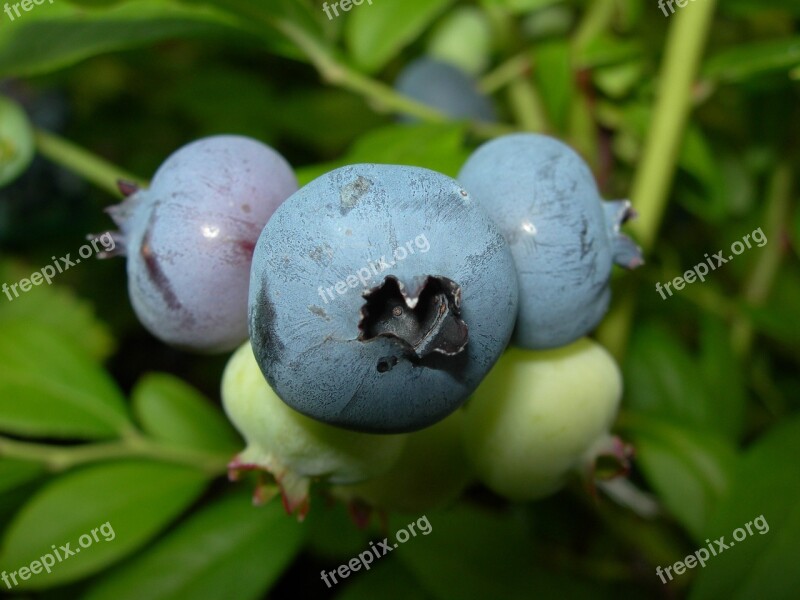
point(369, 391)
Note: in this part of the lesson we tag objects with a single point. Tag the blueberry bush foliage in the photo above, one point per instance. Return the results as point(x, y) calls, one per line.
point(694, 115)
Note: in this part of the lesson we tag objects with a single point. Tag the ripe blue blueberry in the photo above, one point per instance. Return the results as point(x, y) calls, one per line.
point(446, 88)
point(564, 239)
point(189, 239)
point(380, 297)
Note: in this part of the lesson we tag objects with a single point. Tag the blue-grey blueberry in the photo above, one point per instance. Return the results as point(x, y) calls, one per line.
point(380, 297)
point(189, 239)
point(564, 238)
point(445, 87)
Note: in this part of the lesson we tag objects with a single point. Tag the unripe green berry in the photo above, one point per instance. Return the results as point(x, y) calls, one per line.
point(291, 446)
point(431, 472)
point(537, 413)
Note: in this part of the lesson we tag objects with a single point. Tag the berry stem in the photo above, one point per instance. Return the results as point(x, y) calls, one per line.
point(653, 180)
point(62, 458)
point(335, 73)
point(597, 19)
point(94, 169)
point(527, 106)
point(518, 66)
point(383, 97)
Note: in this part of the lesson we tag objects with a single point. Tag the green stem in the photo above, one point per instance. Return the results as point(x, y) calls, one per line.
point(507, 72)
point(92, 168)
point(336, 73)
point(382, 96)
point(527, 106)
point(653, 180)
point(597, 18)
point(63, 458)
point(759, 284)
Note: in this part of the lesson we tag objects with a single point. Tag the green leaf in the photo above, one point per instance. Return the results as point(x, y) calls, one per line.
point(377, 30)
point(307, 115)
point(14, 473)
point(436, 146)
point(17, 146)
point(660, 380)
point(49, 387)
point(59, 309)
point(722, 376)
point(229, 549)
point(745, 61)
point(132, 501)
point(722, 185)
point(170, 410)
point(276, 15)
point(605, 50)
point(689, 469)
point(762, 564)
point(463, 38)
point(555, 80)
point(699, 160)
point(470, 554)
point(60, 34)
point(619, 80)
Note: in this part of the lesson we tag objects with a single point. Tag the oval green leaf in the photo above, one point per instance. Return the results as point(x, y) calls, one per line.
point(746, 61)
point(59, 34)
point(172, 411)
point(376, 31)
point(49, 387)
point(230, 549)
point(58, 308)
point(122, 505)
point(661, 382)
point(764, 497)
point(690, 469)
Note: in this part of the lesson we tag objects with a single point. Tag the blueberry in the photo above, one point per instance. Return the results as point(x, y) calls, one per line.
point(446, 88)
point(189, 239)
point(380, 297)
point(564, 239)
